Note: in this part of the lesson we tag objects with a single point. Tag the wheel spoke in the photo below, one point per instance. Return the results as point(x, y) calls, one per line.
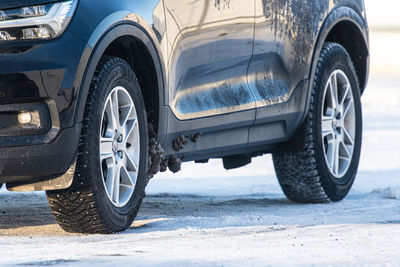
point(336, 157)
point(126, 176)
point(117, 177)
point(113, 126)
point(347, 108)
point(330, 97)
point(330, 152)
point(115, 108)
point(334, 90)
point(126, 112)
point(346, 92)
point(130, 163)
point(110, 178)
point(130, 128)
point(106, 148)
point(348, 136)
point(346, 151)
point(327, 126)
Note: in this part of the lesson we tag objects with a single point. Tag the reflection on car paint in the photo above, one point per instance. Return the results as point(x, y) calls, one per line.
point(210, 49)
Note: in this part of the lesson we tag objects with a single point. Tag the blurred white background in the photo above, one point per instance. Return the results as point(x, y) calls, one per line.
point(384, 21)
point(383, 14)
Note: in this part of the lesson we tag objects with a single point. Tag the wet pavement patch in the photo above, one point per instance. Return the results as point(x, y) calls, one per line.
point(49, 263)
point(112, 255)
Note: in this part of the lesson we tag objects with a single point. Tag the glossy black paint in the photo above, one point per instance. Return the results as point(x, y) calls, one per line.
point(237, 72)
point(5, 4)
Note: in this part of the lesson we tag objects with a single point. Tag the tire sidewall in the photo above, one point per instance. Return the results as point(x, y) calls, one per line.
point(337, 188)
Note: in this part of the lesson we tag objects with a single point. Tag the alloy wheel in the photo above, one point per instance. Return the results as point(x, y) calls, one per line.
point(119, 146)
point(338, 123)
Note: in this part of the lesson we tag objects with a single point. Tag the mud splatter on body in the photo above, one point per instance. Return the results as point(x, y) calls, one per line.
point(296, 22)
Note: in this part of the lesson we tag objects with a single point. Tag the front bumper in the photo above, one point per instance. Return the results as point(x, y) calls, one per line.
point(39, 162)
point(39, 76)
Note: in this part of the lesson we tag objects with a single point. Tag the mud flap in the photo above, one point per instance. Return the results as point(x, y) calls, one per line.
point(62, 182)
point(237, 161)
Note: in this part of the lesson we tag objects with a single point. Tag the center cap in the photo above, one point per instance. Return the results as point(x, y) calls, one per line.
point(115, 146)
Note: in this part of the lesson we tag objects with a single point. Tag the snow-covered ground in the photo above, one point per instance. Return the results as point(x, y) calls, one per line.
point(208, 216)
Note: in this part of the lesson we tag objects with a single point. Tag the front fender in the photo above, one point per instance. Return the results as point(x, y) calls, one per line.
point(91, 58)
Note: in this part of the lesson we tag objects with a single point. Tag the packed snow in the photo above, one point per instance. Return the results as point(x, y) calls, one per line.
point(207, 216)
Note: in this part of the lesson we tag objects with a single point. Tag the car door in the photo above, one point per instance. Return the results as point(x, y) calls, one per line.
point(210, 45)
point(285, 31)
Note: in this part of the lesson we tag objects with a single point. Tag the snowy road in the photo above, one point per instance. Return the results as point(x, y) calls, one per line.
point(208, 216)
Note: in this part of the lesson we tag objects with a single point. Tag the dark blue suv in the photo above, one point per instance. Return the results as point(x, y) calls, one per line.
point(97, 96)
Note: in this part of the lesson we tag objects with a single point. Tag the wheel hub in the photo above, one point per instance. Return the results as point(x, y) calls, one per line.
point(334, 124)
point(115, 146)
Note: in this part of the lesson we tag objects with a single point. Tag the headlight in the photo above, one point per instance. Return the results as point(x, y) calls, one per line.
point(40, 22)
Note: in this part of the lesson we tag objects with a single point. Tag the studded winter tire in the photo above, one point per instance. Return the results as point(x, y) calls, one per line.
point(110, 173)
point(325, 169)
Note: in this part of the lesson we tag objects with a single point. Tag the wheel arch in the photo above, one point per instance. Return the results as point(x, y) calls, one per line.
point(134, 52)
point(346, 27)
point(339, 21)
point(347, 34)
point(342, 15)
point(133, 43)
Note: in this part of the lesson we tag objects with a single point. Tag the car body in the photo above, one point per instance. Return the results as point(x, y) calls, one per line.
point(227, 79)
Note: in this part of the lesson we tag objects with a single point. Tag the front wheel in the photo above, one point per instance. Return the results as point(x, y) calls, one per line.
point(326, 167)
point(110, 174)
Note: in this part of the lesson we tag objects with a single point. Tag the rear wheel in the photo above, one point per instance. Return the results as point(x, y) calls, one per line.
point(110, 175)
point(326, 167)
